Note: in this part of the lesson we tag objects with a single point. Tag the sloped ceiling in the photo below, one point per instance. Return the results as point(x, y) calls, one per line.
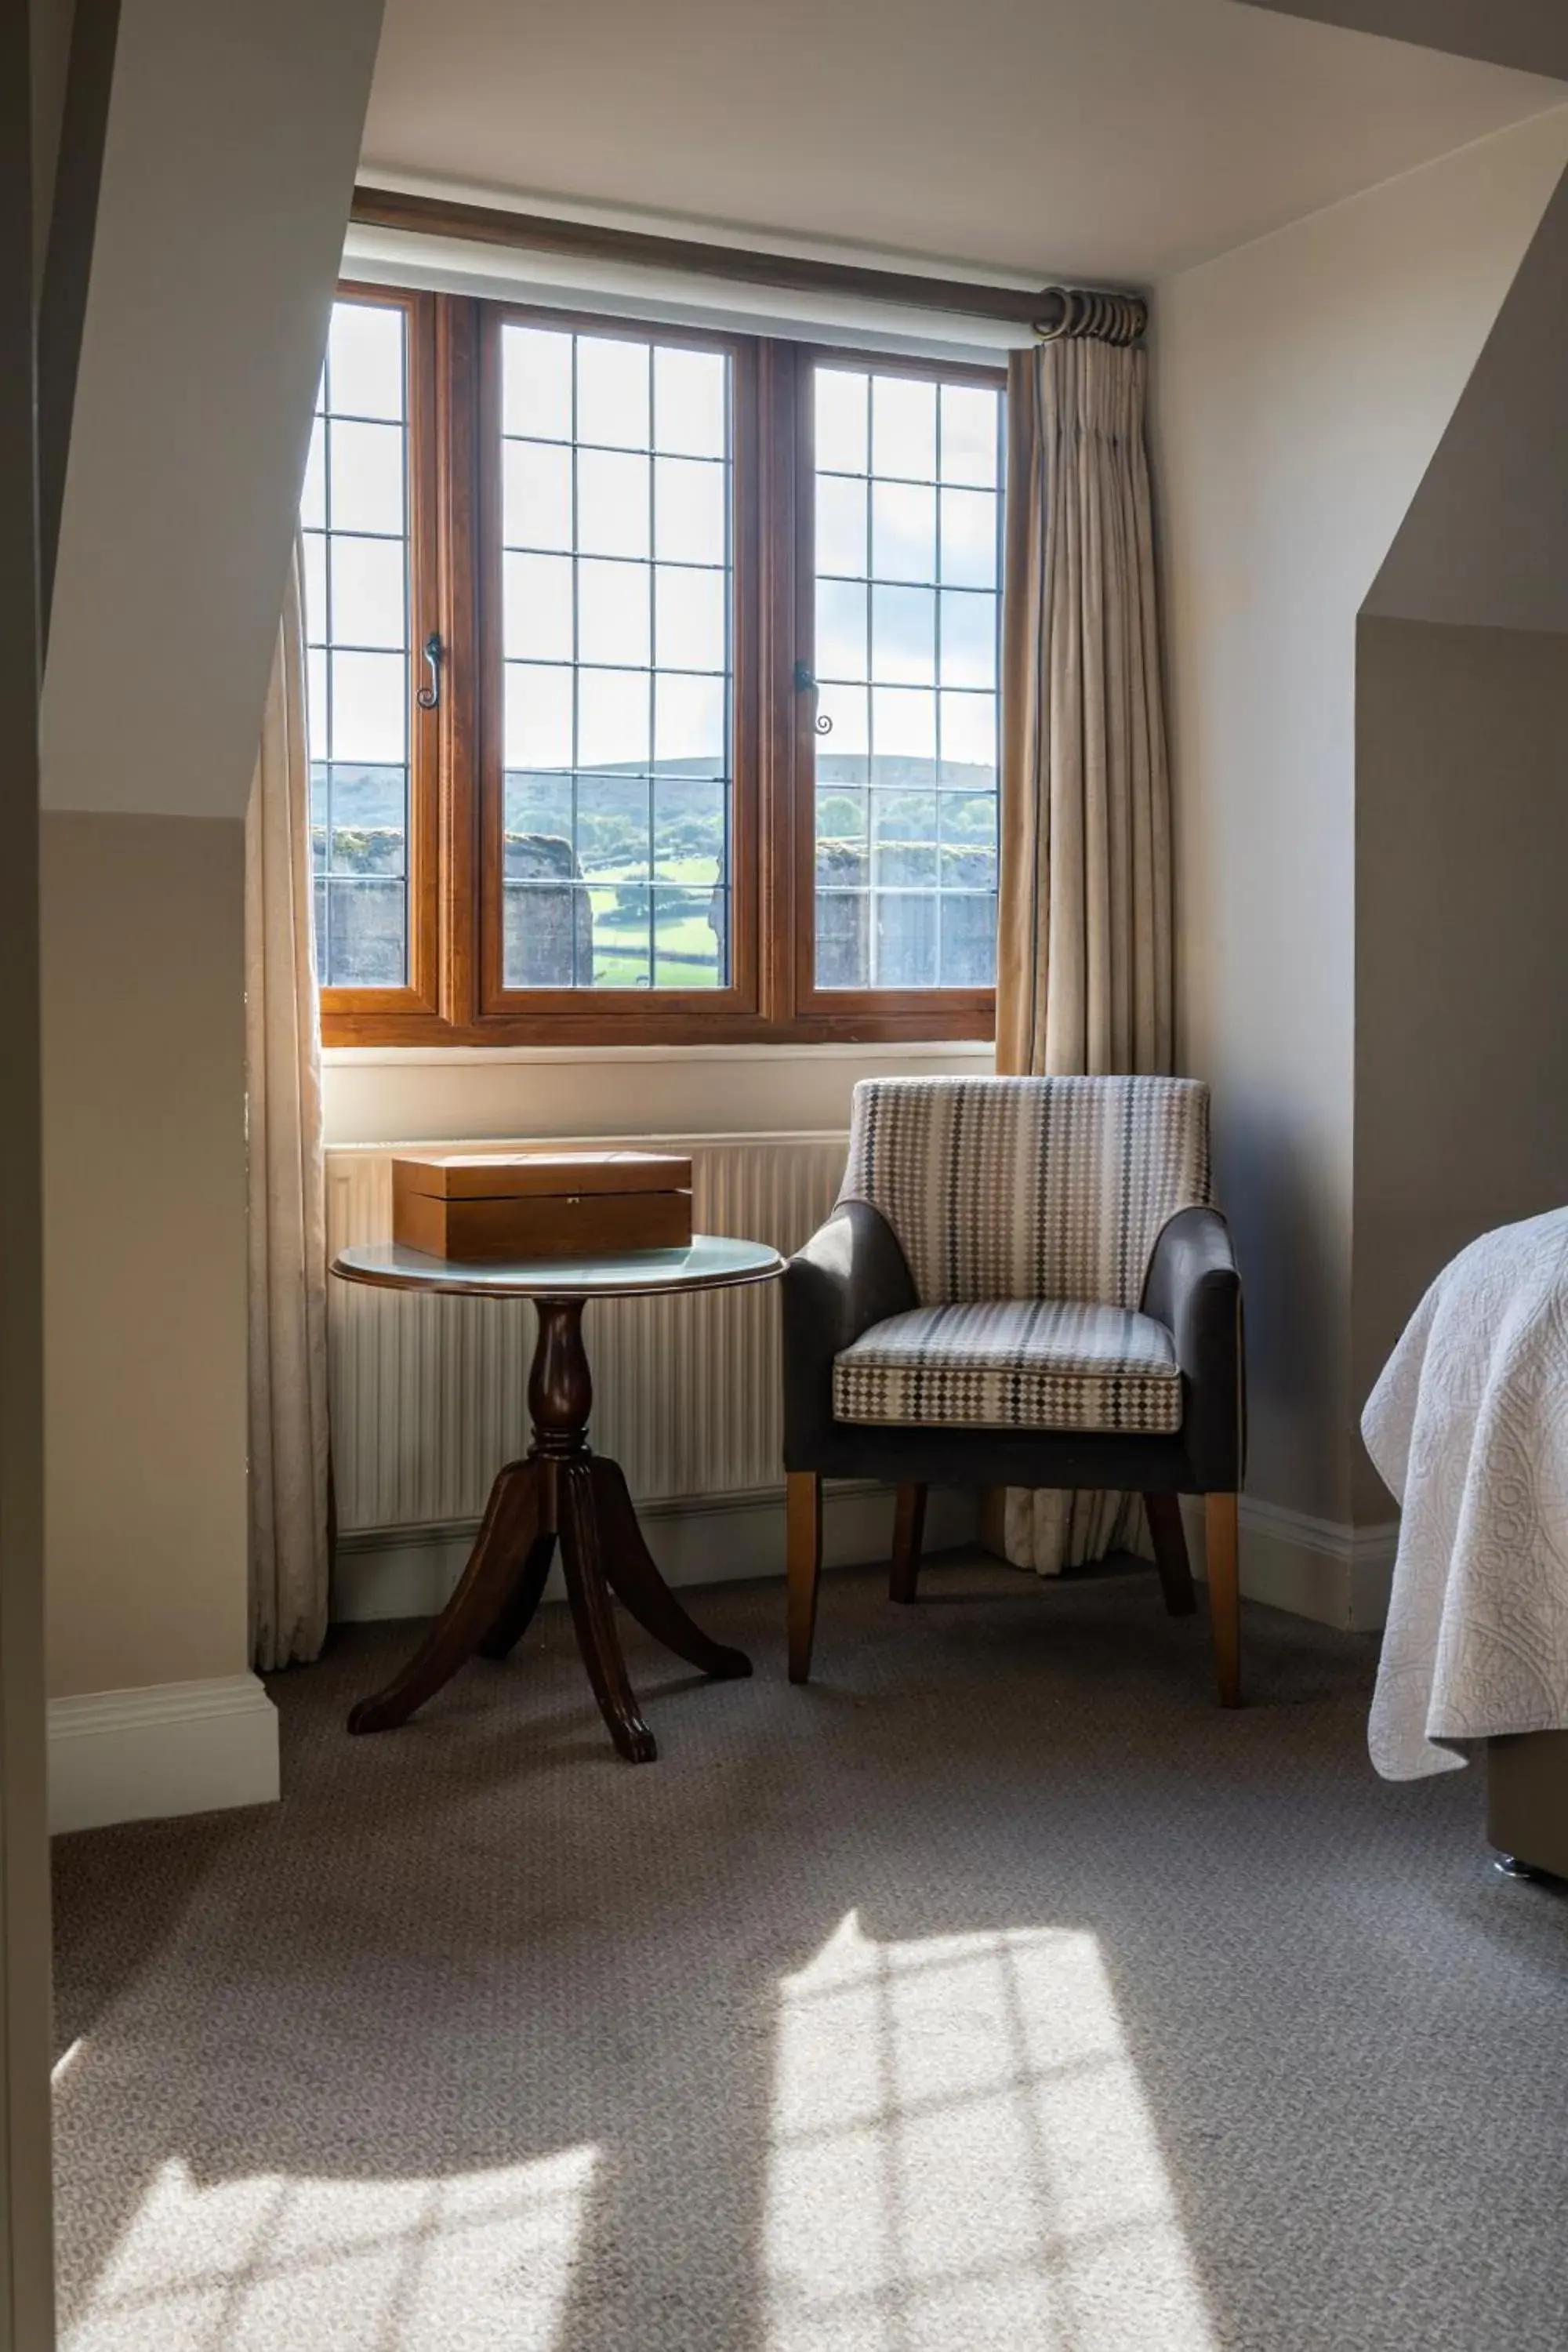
point(1529, 33)
point(219, 232)
point(1121, 139)
point(1485, 541)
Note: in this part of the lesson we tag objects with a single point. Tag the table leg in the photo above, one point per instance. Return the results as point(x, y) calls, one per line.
point(506, 1548)
point(594, 1616)
point(516, 1614)
point(639, 1588)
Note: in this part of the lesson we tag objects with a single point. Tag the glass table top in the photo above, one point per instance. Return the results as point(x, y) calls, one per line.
point(710, 1262)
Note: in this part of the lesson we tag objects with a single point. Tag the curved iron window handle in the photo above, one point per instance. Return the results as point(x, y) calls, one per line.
point(429, 697)
point(805, 682)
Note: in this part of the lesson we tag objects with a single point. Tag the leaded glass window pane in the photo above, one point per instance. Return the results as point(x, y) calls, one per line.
point(908, 520)
point(617, 627)
point(354, 517)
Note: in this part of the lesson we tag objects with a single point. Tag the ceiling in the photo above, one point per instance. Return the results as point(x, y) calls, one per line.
point(1119, 140)
point(1532, 33)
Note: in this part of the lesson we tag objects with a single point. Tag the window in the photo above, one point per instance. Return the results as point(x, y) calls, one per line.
point(617, 579)
point(905, 504)
point(653, 682)
point(364, 517)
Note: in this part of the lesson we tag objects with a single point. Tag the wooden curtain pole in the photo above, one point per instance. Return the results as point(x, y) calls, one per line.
point(1051, 311)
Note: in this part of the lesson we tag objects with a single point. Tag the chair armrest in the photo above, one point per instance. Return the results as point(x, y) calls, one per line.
point(1194, 1289)
point(850, 1275)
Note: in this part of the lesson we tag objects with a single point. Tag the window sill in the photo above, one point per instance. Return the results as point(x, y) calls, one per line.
point(471, 1057)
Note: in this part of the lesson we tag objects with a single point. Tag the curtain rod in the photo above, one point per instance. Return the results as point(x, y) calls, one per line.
point(1052, 311)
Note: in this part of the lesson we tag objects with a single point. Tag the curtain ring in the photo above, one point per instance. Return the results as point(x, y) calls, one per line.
point(1094, 314)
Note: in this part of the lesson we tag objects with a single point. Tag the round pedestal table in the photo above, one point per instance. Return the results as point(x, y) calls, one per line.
point(560, 1492)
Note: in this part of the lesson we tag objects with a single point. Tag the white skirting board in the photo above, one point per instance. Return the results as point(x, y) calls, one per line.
point(1335, 1574)
point(204, 1747)
point(146, 1755)
point(695, 1540)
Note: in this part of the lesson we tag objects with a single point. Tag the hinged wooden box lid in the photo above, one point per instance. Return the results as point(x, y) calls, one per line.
point(540, 1204)
point(513, 1175)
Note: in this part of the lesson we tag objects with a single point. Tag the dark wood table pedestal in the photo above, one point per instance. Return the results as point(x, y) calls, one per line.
point(561, 1492)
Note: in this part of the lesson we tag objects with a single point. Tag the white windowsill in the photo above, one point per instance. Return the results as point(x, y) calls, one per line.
point(457, 1094)
point(457, 1057)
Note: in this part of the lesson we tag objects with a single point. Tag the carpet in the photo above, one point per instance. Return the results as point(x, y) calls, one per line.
point(995, 1991)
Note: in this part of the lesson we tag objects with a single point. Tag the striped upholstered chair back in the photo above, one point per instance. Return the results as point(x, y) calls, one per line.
point(1028, 1188)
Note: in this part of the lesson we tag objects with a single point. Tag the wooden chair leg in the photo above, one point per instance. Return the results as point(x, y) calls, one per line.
point(1171, 1553)
point(802, 1508)
point(1224, 1594)
point(909, 1530)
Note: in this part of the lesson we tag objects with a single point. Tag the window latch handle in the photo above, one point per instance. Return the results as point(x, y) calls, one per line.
point(806, 683)
point(429, 697)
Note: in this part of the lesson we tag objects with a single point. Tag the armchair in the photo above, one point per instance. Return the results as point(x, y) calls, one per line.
point(1023, 1284)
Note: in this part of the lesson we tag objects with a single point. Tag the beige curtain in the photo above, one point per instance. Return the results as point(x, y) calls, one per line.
point(1084, 982)
point(289, 1562)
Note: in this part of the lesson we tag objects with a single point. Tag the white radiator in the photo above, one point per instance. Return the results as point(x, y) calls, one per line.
point(428, 1395)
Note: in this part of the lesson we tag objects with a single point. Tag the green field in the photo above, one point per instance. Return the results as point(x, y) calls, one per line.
point(686, 947)
point(647, 853)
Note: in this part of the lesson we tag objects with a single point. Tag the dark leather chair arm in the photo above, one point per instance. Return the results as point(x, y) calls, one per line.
point(850, 1275)
point(1194, 1289)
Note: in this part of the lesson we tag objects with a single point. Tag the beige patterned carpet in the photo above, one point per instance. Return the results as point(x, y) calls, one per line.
point(995, 1991)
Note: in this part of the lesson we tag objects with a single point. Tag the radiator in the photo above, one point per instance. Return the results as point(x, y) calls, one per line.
point(428, 1395)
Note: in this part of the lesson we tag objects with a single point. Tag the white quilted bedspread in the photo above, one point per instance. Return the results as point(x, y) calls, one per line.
point(1468, 1427)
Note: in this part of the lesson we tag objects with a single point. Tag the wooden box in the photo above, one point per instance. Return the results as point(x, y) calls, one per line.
point(540, 1204)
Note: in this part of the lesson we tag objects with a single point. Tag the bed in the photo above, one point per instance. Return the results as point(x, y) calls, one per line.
point(1469, 1428)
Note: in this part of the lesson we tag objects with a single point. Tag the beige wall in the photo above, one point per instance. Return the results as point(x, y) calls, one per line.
point(27, 115)
point(1461, 1118)
point(144, 1249)
point(221, 227)
point(400, 1097)
point(1303, 386)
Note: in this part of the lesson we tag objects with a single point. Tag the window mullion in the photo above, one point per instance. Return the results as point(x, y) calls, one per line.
point(774, 519)
point(450, 605)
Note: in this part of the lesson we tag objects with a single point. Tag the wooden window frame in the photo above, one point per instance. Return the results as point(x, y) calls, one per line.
point(937, 1013)
point(578, 1016)
point(402, 1013)
point(456, 996)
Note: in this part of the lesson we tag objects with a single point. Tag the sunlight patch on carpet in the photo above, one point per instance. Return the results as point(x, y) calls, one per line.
point(961, 2152)
point(65, 2062)
point(472, 2262)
